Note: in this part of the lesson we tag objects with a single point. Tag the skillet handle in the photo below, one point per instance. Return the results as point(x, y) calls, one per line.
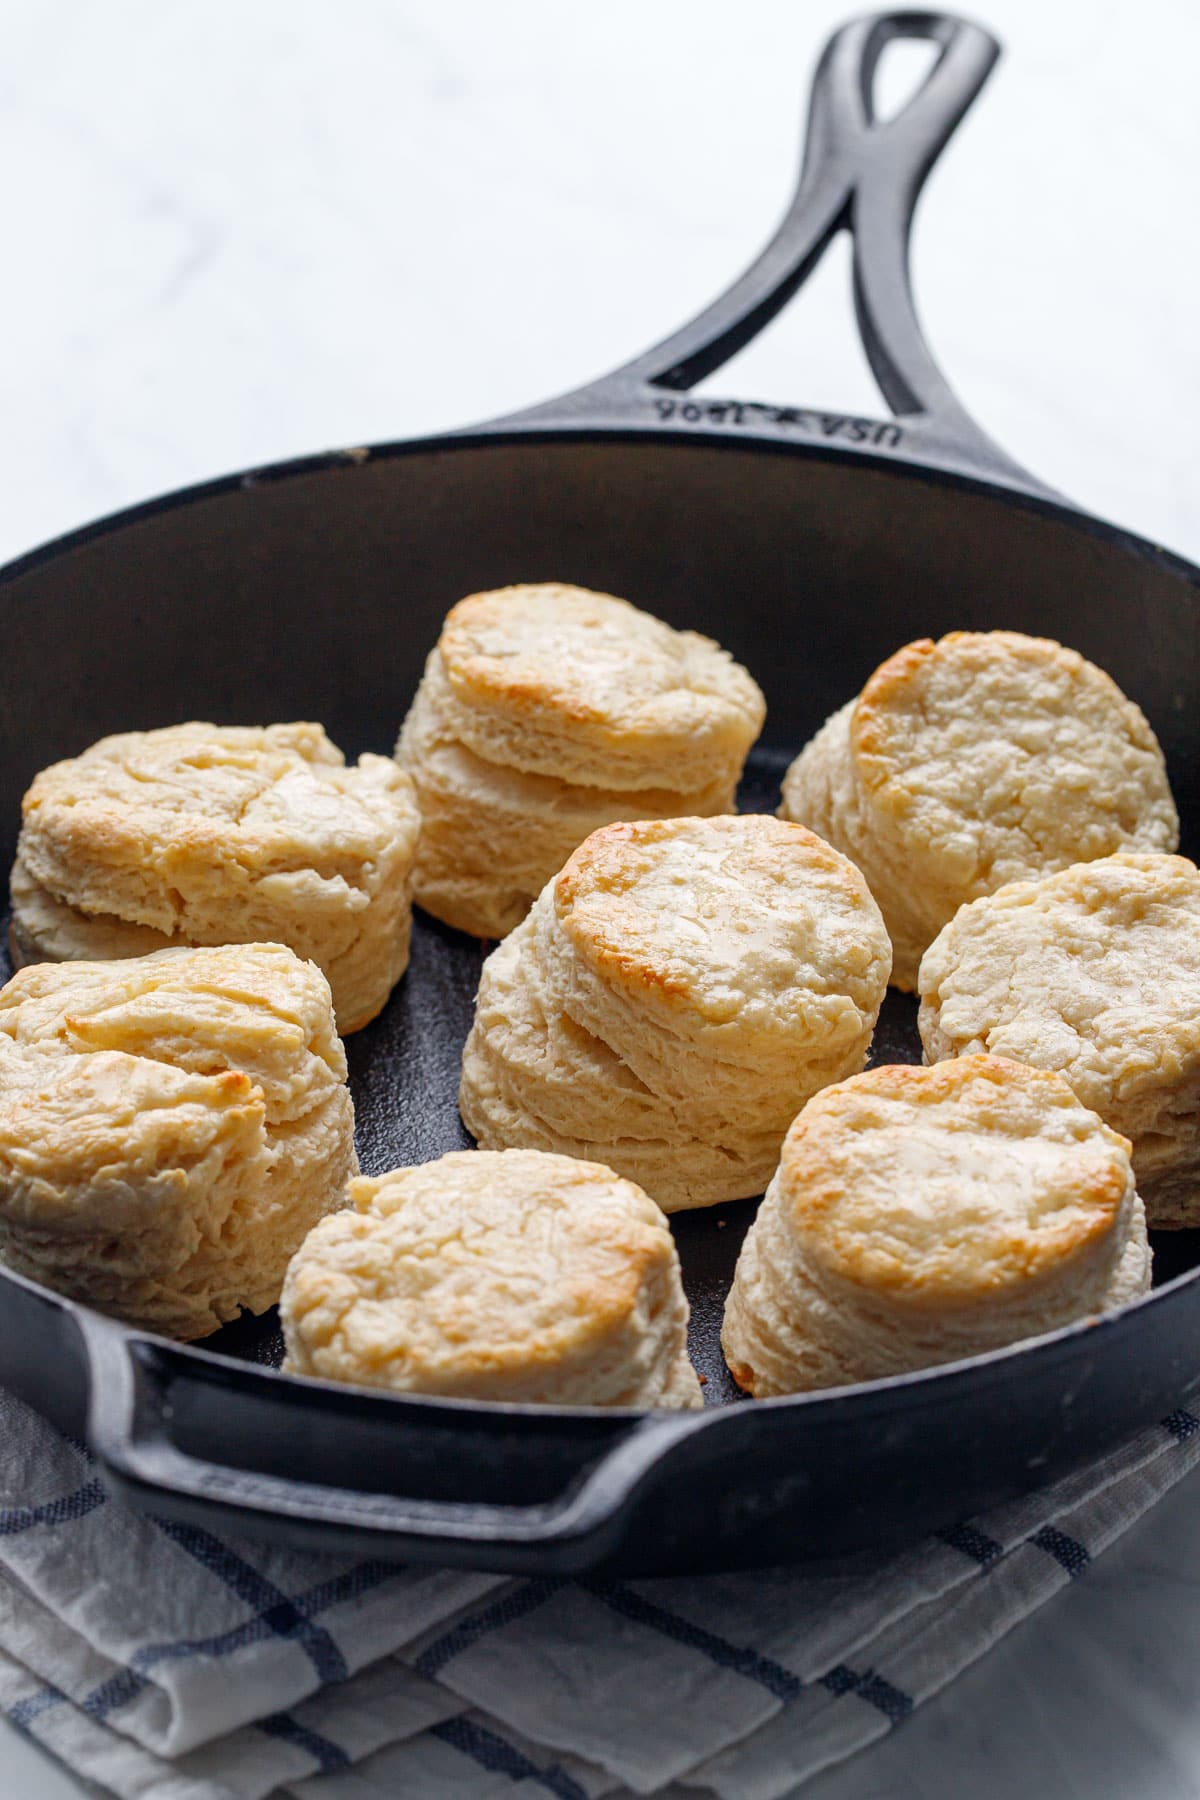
point(858, 174)
point(194, 1437)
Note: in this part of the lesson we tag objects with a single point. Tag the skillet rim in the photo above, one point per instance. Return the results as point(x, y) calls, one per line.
point(934, 468)
point(902, 464)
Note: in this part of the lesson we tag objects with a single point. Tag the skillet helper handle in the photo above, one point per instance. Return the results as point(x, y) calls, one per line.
point(156, 1416)
point(859, 174)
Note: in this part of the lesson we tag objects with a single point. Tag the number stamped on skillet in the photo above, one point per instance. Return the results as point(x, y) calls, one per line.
point(883, 433)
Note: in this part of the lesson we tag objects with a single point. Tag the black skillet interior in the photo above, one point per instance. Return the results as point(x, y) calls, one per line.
point(811, 545)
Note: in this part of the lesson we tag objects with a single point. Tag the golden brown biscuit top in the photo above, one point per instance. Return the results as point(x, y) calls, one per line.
point(745, 919)
point(1094, 971)
point(93, 1143)
point(301, 737)
point(251, 1007)
point(148, 826)
point(1003, 752)
point(566, 667)
point(951, 1186)
point(473, 1265)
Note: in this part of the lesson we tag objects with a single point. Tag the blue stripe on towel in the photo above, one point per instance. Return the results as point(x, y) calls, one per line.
point(120, 1689)
point(277, 1611)
point(506, 1611)
point(356, 1581)
point(974, 1543)
point(737, 1657)
point(499, 1757)
point(26, 1711)
point(327, 1755)
point(117, 1691)
point(62, 1511)
point(870, 1687)
point(1068, 1552)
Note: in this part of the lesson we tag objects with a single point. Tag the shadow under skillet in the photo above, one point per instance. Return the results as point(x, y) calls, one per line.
point(404, 1070)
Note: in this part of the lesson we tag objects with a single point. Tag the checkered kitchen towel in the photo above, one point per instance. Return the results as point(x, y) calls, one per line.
point(160, 1660)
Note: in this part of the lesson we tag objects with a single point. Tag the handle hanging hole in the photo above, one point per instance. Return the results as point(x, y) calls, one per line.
point(903, 67)
point(809, 352)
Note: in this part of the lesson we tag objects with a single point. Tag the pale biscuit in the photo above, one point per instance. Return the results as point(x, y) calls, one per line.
point(546, 712)
point(584, 687)
point(492, 836)
point(43, 929)
point(170, 1128)
point(920, 1216)
point(981, 759)
point(532, 1076)
point(1094, 972)
point(516, 1277)
point(678, 991)
point(719, 957)
point(204, 834)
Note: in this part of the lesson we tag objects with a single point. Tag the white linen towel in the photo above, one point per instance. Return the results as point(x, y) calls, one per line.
point(165, 1662)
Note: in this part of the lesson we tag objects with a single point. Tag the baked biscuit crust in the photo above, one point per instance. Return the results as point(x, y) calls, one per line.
point(518, 1277)
point(546, 712)
point(492, 836)
point(204, 835)
point(1093, 972)
point(677, 992)
point(560, 681)
point(923, 1215)
point(532, 1076)
point(707, 950)
point(982, 759)
point(170, 1128)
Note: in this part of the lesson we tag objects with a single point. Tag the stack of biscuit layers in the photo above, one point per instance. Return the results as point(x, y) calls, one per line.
point(922, 1215)
point(546, 712)
point(171, 1126)
point(676, 994)
point(1094, 972)
point(218, 834)
point(515, 1277)
point(985, 758)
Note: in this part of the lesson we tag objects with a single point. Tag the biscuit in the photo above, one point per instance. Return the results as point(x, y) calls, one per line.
point(530, 1073)
point(919, 1216)
point(492, 836)
point(677, 992)
point(210, 834)
point(546, 712)
point(1094, 972)
point(517, 1277)
point(43, 929)
point(585, 687)
point(982, 759)
point(170, 1128)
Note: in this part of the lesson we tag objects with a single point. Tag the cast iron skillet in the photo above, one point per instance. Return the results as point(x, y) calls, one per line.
point(812, 544)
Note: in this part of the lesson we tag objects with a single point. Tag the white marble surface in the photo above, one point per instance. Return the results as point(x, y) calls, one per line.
point(235, 233)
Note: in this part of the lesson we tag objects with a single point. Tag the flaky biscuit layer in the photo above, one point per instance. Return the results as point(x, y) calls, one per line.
point(982, 759)
point(545, 712)
point(518, 1277)
point(170, 1128)
point(676, 994)
point(491, 836)
point(718, 955)
point(919, 1216)
point(583, 687)
point(214, 834)
point(1093, 972)
point(532, 1076)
